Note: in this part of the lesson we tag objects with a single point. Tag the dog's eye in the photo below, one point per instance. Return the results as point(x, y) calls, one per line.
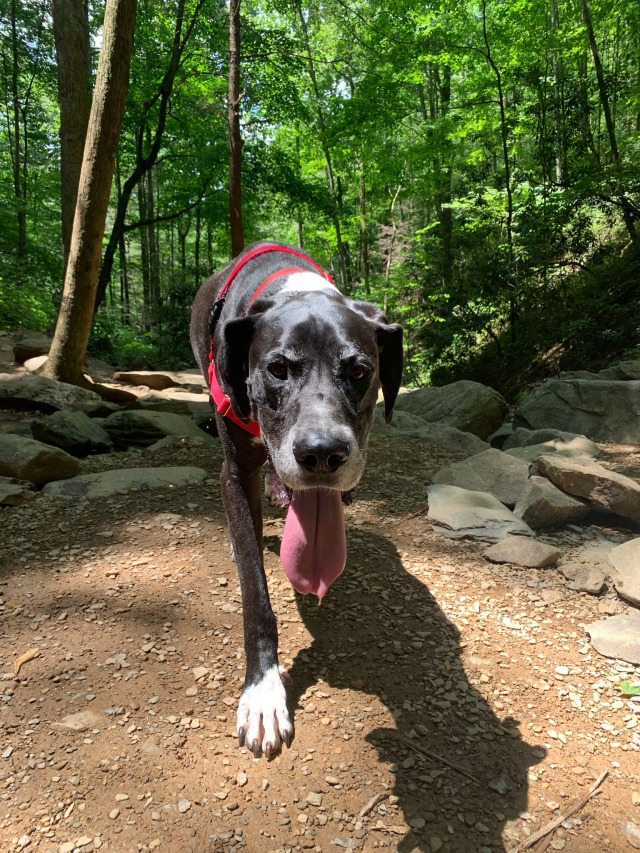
point(279, 369)
point(357, 372)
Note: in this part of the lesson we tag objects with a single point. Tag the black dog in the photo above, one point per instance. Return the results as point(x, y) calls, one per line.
point(296, 378)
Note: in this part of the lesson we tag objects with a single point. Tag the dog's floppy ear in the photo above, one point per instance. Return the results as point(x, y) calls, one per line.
point(232, 362)
point(390, 355)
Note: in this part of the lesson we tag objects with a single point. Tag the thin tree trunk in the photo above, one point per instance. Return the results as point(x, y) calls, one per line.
point(299, 207)
point(558, 115)
point(161, 98)
point(125, 299)
point(235, 137)
point(71, 337)
point(627, 211)
point(322, 128)
point(504, 136)
point(144, 257)
point(73, 54)
point(364, 240)
point(16, 132)
point(196, 254)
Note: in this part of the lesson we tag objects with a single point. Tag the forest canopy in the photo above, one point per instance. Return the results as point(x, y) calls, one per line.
point(473, 167)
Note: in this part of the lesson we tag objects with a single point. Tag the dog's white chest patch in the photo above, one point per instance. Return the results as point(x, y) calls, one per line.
point(302, 282)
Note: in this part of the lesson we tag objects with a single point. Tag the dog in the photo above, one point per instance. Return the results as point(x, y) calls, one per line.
point(294, 369)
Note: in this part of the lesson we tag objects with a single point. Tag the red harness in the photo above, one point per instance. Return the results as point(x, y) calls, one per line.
point(221, 400)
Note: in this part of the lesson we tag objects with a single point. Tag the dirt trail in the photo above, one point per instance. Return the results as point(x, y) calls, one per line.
point(441, 703)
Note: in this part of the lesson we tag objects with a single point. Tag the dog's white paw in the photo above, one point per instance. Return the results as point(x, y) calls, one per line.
point(263, 719)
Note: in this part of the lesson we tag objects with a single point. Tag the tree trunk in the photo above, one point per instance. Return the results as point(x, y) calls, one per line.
point(125, 298)
point(16, 152)
point(322, 128)
point(71, 337)
point(73, 54)
point(235, 137)
point(558, 112)
point(627, 210)
point(364, 241)
point(144, 257)
point(504, 136)
point(161, 98)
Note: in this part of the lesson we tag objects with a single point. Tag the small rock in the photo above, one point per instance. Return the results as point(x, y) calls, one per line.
point(617, 637)
point(200, 672)
point(314, 798)
point(241, 779)
point(631, 832)
point(79, 722)
point(184, 806)
point(499, 785)
point(114, 813)
point(522, 551)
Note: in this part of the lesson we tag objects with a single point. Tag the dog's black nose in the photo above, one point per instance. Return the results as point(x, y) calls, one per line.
point(321, 453)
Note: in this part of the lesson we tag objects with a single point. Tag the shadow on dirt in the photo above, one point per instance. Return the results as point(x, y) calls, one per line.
point(440, 718)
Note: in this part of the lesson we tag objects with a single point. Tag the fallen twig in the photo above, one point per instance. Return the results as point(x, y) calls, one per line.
point(25, 658)
point(575, 806)
point(428, 754)
point(373, 802)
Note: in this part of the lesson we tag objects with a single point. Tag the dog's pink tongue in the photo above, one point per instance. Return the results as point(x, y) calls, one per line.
point(314, 546)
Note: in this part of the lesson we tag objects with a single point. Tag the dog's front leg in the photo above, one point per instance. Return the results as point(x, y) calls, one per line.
point(263, 719)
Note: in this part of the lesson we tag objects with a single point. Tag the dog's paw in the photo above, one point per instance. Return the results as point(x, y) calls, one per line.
point(263, 719)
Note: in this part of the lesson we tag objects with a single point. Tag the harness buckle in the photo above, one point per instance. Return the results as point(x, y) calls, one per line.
point(214, 314)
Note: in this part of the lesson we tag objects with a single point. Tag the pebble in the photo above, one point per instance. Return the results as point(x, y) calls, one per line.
point(241, 779)
point(499, 786)
point(314, 799)
point(183, 806)
point(114, 813)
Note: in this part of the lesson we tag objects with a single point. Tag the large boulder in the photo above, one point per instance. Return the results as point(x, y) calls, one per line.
point(136, 428)
point(28, 344)
point(188, 380)
point(460, 513)
point(600, 409)
point(491, 471)
point(14, 492)
point(26, 391)
point(465, 405)
point(543, 506)
point(441, 435)
point(74, 432)
point(27, 459)
point(125, 480)
point(555, 438)
point(625, 560)
point(588, 479)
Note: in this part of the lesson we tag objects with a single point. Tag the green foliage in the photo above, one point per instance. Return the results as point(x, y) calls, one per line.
point(445, 161)
point(629, 688)
point(24, 301)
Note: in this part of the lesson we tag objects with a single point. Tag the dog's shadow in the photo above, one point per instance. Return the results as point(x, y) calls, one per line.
point(381, 632)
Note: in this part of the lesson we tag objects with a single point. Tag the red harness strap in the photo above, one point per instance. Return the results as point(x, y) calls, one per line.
point(221, 400)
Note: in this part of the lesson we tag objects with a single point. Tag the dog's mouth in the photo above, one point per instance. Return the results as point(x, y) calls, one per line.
point(313, 551)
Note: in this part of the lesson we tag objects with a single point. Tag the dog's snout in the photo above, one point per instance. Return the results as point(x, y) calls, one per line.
point(321, 453)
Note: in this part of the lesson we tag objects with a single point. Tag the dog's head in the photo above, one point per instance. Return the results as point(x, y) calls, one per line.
point(309, 370)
